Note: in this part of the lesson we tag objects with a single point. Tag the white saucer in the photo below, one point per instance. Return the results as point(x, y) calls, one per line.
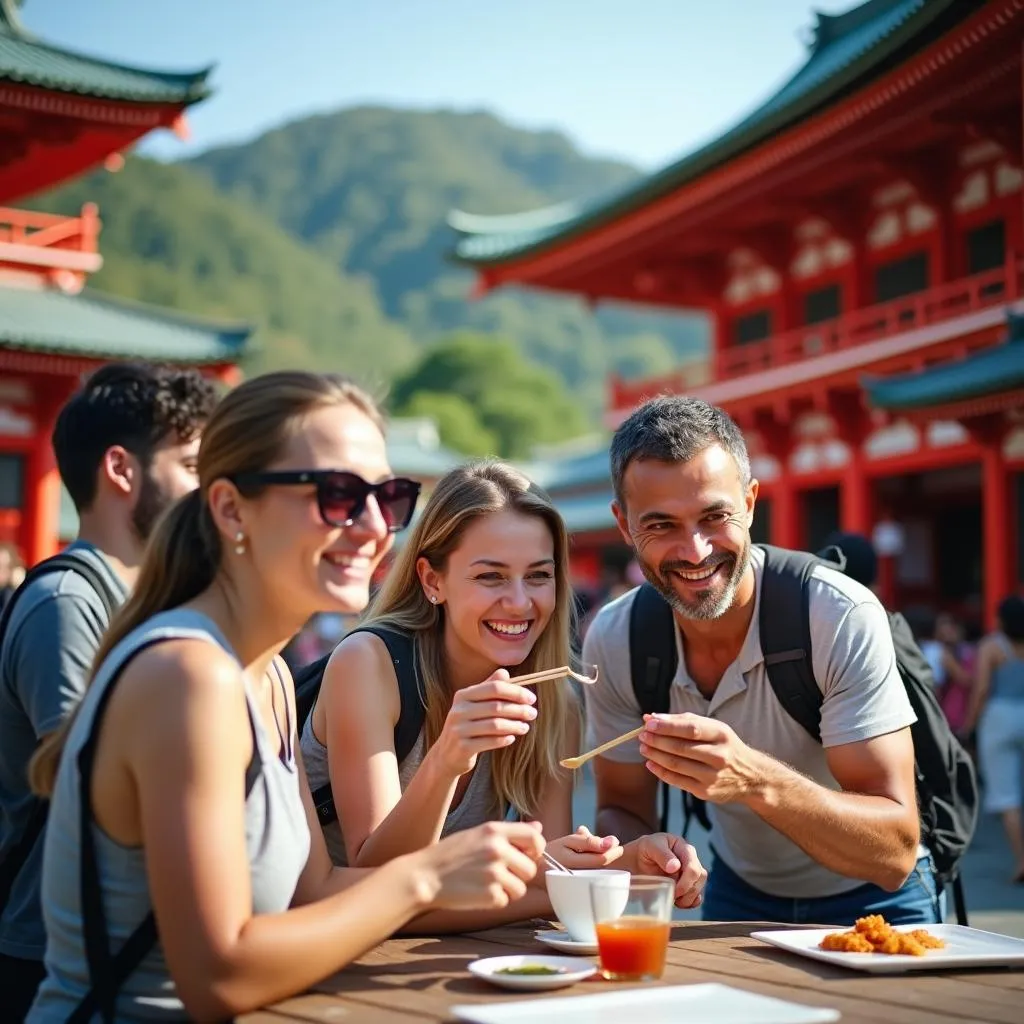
point(564, 942)
point(569, 972)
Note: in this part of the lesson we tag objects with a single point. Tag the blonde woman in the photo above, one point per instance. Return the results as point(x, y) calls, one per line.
point(481, 589)
point(184, 874)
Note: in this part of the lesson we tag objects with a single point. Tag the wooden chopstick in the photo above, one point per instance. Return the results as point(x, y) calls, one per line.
point(552, 673)
point(581, 759)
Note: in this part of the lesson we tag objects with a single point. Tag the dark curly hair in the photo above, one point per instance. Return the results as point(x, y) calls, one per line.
point(134, 405)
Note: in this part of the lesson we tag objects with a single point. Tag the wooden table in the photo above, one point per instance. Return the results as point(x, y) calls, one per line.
point(416, 980)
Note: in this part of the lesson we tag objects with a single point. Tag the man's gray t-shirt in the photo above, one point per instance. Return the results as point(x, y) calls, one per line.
point(45, 661)
point(854, 664)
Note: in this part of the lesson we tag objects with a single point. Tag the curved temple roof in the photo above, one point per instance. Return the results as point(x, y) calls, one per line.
point(25, 60)
point(991, 371)
point(97, 326)
point(847, 50)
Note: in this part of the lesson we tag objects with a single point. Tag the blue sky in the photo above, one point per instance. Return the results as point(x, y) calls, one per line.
point(643, 80)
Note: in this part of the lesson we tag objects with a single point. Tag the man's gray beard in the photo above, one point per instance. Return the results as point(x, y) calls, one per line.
point(708, 608)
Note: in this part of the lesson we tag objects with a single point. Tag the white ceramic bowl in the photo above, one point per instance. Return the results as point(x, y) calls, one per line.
point(570, 898)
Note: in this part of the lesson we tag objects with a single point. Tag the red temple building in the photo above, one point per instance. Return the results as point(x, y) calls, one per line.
point(857, 242)
point(61, 114)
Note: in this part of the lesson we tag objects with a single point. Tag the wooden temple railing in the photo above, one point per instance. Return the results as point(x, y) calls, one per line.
point(60, 249)
point(934, 305)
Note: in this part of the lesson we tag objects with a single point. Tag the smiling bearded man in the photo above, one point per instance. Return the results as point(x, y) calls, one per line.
point(804, 828)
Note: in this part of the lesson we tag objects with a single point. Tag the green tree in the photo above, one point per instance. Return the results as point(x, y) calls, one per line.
point(457, 422)
point(518, 403)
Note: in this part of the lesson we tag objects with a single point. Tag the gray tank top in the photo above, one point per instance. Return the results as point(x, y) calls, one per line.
point(1008, 677)
point(276, 833)
point(478, 804)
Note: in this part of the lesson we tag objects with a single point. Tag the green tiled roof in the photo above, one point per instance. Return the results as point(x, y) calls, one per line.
point(581, 470)
point(94, 325)
point(848, 50)
point(587, 512)
point(28, 61)
point(415, 448)
point(988, 372)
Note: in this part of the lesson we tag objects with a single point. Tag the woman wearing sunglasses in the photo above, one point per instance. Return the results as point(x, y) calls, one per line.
point(185, 875)
point(481, 587)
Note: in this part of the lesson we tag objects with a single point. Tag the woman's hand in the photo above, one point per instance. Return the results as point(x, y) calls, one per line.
point(582, 851)
point(483, 868)
point(487, 716)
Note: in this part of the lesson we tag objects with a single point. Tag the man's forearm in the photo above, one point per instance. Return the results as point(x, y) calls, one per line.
point(872, 838)
point(625, 825)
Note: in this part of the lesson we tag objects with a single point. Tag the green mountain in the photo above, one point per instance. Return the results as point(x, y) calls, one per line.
point(370, 189)
point(329, 234)
point(170, 238)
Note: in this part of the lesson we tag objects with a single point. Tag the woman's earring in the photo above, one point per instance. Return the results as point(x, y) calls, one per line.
point(433, 598)
point(239, 543)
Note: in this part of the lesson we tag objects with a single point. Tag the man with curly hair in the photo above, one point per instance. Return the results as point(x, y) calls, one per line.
point(126, 446)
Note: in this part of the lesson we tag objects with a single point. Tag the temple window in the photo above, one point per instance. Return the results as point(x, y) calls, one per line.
point(986, 247)
point(901, 277)
point(823, 304)
point(752, 327)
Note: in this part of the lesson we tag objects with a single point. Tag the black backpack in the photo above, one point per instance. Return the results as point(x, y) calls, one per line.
point(72, 561)
point(402, 649)
point(947, 788)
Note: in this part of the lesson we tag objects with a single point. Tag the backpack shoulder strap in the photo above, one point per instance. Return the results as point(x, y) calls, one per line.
point(65, 561)
point(653, 657)
point(412, 710)
point(653, 660)
point(109, 971)
point(784, 623)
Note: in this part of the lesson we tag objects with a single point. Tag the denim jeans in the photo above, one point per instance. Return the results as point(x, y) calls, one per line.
point(920, 901)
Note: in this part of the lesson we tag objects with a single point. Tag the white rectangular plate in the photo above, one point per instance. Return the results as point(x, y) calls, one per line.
point(965, 948)
point(694, 1004)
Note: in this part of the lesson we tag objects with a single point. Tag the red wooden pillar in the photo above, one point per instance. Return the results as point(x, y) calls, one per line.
point(855, 504)
point(785, 514)
point(42, 481)
point(774, 429)
point(855, 511)
point(997, 551)
point(42, 496)
point(997, 573)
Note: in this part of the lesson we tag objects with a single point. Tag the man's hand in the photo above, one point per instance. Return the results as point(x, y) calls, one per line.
point(665, 854)
point(703, 756)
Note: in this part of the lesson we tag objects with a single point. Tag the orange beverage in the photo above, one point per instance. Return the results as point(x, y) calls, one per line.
point(633, 948)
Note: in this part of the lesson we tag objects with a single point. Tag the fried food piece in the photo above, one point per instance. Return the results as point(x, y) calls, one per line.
point(873, 934)
point(900, 943)
point(847, 942)
point(874, 928)
point(926, 939)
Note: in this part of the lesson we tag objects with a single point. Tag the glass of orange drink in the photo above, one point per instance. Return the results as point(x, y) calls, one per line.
point(633, 938)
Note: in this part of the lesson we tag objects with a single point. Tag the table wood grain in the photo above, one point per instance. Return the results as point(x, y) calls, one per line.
point(417, 980)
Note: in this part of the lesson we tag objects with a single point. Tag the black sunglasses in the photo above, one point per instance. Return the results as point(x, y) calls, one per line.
point(341, 496)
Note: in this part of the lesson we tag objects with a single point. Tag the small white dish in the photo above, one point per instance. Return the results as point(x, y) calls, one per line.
point(569, 972)
point(565, 942)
